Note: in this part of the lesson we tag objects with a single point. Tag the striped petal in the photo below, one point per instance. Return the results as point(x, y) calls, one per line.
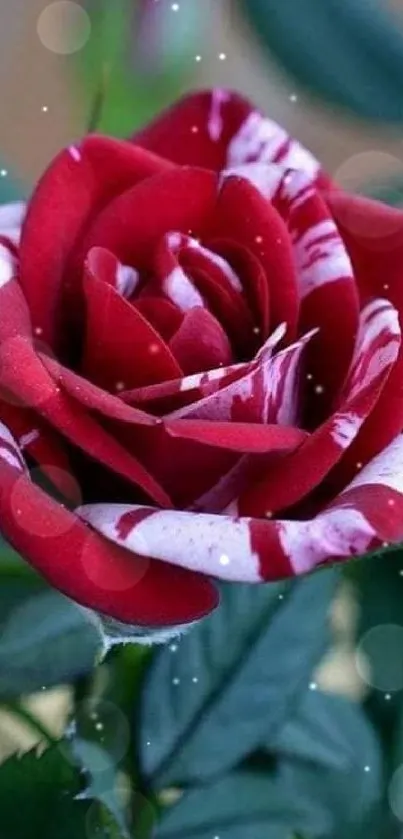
point(251, 550)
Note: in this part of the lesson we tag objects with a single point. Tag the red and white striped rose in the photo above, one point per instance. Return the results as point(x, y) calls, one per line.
point(200, 348)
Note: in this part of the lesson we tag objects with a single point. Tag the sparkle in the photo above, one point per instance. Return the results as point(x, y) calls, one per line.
point(173, 648)
point(175, 681)
point(293, 97)
point(120, 386)
point(98, 726)
point(385, 544)
point(195, 129)
point(38, 330)
point(310, 377)
point(175, 7)
point(367, 768)
point(224, 559)
point(359, 465)
point(44, 109)
point(222, 56)
point(198, 58)
point(313, 686)
point(391, 502)
point(388, 696)
point(148, 743)
point(256, 330)
point(386, 286)
point(319, 389)
point(3, 173)
point(259, 239)
point(195, 680)
point(269, 514)
point(281, 597)
point(154, 349)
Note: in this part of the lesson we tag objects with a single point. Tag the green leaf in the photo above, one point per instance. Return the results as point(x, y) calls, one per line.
point(349, 53)
point(330, 731)
point(45, 639)
point(234, 680)
point(296, 799)
point(39, 800)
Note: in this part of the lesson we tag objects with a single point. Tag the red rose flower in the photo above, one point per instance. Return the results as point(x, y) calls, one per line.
point(200, 349)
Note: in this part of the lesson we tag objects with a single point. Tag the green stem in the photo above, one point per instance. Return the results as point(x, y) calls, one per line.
point(19, 710)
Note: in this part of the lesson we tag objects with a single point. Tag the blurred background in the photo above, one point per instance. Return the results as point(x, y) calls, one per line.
point(331, 72)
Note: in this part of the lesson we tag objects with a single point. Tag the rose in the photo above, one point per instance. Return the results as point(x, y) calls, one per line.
point(200, 349)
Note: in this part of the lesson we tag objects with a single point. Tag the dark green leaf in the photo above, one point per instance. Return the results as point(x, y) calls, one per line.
point(297, 799)
point(45, 639)
point(330, 731)
point(235, 678)
point(38, 800)
point(349, 52)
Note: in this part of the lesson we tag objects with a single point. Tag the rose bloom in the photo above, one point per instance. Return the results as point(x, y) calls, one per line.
point(200, 367)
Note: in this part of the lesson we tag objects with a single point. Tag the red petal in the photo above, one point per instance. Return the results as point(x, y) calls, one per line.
point(254, 550)
point(91, 570)
point(78, 183)
point(132, 224)
point(23, 375)
point(243, 216)
point(376, 351)
point(122, 350)
point(238, 436)
point(373, 235)
point(200, 343)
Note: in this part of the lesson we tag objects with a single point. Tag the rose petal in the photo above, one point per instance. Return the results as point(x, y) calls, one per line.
point(23, 375)
point(267, 392)
point(372, 233)
point(376, 351)
point(133, 223)
point(78, 183)
point(86, 567)
point(211, 347)
point(245, 217)
point(122, 350)
point(238, 436)
point(249, 550)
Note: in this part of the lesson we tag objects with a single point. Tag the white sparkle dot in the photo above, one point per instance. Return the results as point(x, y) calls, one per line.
point(38, 330)
point(175, 681)
point(98, 726)
point(154, 349)
point(173, 648)
point(120, 385)
point(386, 286)
point(367, 768)
point(195, 129)
point(388, 696)
point(148, 743)
point(222, 56)
point(313, 686)
point(281, 597)
point(175, 7)
point(224, 559)
point(359, 465)
point(259, 239)
point(319, 388)
point(401, 573)
point(198, 58)
point(256, 330)
point(385, 544)
point(3, 173)
point(269, 514)
point(391, 502)
point(310, 377)
point(195, 680)
point(44, 109)
point(293, 97)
